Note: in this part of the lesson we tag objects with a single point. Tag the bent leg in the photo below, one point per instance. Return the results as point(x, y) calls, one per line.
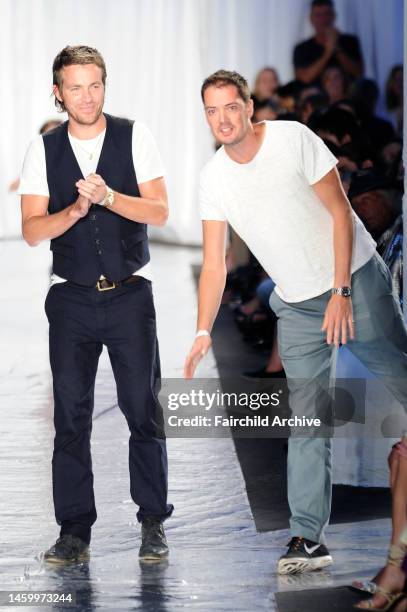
point(380, 332)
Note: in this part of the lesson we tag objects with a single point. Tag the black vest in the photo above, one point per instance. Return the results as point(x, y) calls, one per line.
point(102, 242)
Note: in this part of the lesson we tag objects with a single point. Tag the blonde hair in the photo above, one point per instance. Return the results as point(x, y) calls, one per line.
point(80, 54)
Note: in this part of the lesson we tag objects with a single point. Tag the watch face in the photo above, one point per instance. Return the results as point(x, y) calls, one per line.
point(346, 292)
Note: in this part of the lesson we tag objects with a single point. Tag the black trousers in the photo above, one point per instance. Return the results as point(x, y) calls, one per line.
point(81, 321)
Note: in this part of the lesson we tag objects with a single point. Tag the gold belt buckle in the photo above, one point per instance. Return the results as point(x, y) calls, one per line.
point(99, 288)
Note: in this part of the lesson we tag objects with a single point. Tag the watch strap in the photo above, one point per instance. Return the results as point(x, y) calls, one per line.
point(109, 197)
point(345, 291)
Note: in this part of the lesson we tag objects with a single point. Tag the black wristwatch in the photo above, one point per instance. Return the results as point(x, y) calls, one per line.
point(345, 291)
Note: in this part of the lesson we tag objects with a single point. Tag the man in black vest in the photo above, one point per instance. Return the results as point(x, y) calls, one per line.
point(91, 186)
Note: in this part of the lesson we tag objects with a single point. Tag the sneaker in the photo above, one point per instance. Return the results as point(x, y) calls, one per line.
point(303, 556)
point(68, 548)
point(154, 545)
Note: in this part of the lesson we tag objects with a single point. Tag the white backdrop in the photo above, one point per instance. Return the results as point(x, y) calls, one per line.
point(157, 54)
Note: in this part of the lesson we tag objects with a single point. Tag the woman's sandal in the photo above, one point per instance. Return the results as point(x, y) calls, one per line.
point(396, 558)
point(393, 599)
point(364, 586)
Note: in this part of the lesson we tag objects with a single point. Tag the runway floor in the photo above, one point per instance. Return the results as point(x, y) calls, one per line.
point(218, 560)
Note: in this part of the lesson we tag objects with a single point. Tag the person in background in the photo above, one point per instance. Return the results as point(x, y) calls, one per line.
point(378, 204)
point(364, 94)
point(394, 97)
point(49, 125)
point(334, 84)
point(328, 47)
point(315, 103)
point(341, 129)
point(391, 159)
point(288, 96)
point(265, 86)
point(268, 110)
point(389, 586)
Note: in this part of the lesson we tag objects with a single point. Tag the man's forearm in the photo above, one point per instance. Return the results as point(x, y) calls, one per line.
point(343, 246)
point(211, 287)
point(45, 227)
point(142, 210)
point(312, 72)
point(352, 67)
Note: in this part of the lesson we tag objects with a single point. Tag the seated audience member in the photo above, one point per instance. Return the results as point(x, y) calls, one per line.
point(315, 103)
point(258, 305)
point(378, 203)
point(265, 86)
point(49, 125)
point(347, 105)
point(340, 128)
point(334, 84)
point(268, 110)
point(328, 47)
point(307, 91)
point(346, 166)
point(337, 126)
point(391, 160)
point(364, 95)
point(394, 97)
point(288, 96)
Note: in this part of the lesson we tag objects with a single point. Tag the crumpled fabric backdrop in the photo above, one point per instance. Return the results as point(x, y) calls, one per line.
point(157, 54)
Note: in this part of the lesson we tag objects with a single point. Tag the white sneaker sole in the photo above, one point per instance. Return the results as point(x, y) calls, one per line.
point(299, 564)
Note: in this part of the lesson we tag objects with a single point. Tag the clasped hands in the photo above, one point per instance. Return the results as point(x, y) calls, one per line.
point(331, 39)
point(91, 191)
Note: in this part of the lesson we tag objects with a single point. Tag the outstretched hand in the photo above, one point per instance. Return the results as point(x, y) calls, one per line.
point(338, 320)
point(199, 349)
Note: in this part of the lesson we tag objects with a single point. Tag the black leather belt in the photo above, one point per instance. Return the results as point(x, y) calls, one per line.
point(106, 285)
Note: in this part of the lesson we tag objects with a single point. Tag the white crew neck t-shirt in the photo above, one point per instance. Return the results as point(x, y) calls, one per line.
point(270, 203)
point(146, 159)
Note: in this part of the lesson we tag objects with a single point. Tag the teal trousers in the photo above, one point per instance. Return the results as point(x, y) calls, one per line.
point(380, 344)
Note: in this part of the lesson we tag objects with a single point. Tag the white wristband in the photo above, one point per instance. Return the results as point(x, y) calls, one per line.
point(202, 332)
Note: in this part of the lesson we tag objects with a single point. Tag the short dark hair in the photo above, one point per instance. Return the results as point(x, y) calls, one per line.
point(316, 3)
point(339, 122)
point(222, 78)
point(80, 54)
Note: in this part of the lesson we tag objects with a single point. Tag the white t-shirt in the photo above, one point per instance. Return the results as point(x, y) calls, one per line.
point(270, 203)
point(146, 158)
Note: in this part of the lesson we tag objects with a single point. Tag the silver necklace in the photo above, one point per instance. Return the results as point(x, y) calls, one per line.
point(90, 154)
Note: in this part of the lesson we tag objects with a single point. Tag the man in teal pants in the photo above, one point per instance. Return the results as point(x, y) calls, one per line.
point(277, 185)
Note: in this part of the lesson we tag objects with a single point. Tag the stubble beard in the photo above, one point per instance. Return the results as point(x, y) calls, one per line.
point(83, 119)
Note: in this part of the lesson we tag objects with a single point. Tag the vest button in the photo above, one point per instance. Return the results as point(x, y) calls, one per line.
point(97, 241)
point(93, 217)
point(99, 252)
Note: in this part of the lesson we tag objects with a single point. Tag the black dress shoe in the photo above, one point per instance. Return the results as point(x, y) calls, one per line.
point(262, 373)
point(67, 549)
point(154, 545)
